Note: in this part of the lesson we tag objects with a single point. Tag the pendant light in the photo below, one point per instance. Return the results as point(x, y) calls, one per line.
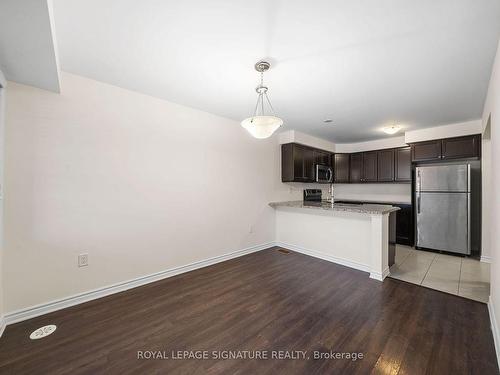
point(261, 125)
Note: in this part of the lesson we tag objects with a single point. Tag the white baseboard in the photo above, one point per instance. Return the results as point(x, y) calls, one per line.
point(494, 328)
point(380, 276)
point(330, 258)
point(45, 308)
point(2, 325)
point(485, 259)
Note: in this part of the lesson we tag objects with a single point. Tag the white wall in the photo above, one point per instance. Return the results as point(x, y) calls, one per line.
point(393, 193)
point(492, 108)
point(28, 45)
point(140, 184)
point(293, 136)
point(379, 144)
point(486, 194)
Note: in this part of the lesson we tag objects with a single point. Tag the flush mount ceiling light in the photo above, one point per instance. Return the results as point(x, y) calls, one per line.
point(261, 125)
point(392, 129)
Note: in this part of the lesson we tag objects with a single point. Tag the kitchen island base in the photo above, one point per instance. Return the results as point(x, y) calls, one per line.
point(356, 239)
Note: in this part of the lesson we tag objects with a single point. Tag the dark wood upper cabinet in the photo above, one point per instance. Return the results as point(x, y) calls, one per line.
point(322, 157)
point(448, 148)
point(385, 163)
point(293, 163)
point(461, 147)
point(402, 167)
point(303, 163)
point(370, 166)
point(356, 168)
point(298, 162)
point(341, 167)
point(425, 151)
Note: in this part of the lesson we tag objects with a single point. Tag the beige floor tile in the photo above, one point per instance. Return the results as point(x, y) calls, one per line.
point(475, 280)
point(408, 275)
point(473, 270)
point(424, 255)
point(466, 277)
point(478, 291)
point(450, 258)
point(404, 247)
point(402, 253)
point(443, 275)
point(412, 269)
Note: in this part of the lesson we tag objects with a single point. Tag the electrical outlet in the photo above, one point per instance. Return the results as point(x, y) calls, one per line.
point(83, 260)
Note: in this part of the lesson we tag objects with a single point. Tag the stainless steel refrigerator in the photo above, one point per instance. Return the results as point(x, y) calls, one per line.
point(444, 200)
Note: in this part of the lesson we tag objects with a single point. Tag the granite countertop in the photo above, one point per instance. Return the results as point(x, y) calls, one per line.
point(372, 201)
point(371, 209)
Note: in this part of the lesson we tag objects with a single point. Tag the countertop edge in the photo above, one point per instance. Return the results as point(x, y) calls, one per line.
point(370, 210)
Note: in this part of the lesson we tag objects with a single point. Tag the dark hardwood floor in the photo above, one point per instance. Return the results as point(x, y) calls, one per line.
point(263, 301)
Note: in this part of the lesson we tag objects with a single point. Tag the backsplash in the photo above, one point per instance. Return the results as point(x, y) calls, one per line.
point(400, 193)
point(295, 190)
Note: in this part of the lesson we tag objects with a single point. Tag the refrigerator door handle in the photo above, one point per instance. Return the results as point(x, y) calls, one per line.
point(468, 178)
point(418, 183)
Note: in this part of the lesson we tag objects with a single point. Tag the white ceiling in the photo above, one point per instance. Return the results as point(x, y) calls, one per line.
point(27, 49)
point(361, 63)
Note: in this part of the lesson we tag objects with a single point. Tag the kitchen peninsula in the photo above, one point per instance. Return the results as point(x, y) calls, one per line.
point(360, 236)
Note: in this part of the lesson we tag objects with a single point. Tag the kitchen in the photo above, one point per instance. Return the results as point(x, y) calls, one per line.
point(435, 244)
point(265, 187)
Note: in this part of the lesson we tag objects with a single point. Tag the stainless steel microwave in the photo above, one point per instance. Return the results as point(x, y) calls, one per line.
point(324, 173)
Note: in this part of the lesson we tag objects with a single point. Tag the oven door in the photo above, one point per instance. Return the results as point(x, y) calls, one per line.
point(324, 173)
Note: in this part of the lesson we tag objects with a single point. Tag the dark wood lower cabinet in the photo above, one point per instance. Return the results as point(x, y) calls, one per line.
point(404, 221)
point(404, 225)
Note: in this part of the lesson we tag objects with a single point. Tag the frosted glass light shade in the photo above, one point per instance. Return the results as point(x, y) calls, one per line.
point(262, 126)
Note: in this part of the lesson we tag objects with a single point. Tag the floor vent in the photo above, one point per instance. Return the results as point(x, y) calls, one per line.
point(284, 251)
point(40, 333)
